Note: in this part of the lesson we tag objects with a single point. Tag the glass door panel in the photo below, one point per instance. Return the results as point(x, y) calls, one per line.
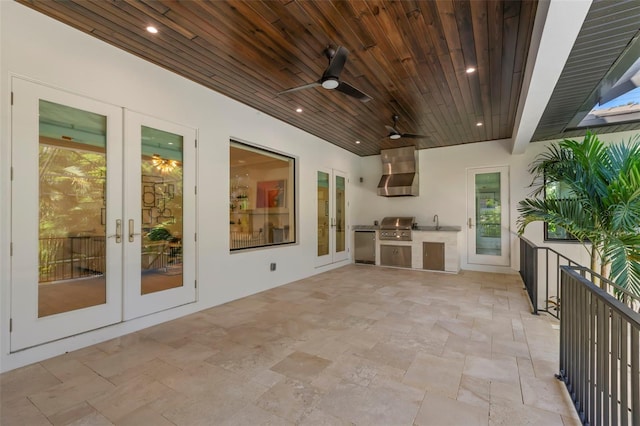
point(340, 217)
point(323, 213)
point(161, 210)
point(340, 214)
point(488, 222)
point(159, 269)
point(66, 214)
point(332, 217)
point(72, 204)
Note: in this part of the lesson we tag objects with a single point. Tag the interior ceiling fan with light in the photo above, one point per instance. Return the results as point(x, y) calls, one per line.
point(395, 134)
point(331, 76)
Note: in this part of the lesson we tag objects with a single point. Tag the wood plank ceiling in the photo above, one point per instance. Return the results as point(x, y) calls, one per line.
point(410, 56)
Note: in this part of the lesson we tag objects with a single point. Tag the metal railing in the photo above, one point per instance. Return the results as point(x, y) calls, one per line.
point(71, 257)
point(540, 272)
point(599, 348)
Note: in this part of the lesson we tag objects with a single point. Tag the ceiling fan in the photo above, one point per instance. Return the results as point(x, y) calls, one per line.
point(331, 76)
point(394, 134)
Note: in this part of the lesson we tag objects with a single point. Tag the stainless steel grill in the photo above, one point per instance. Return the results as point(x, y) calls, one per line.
point(396, 228)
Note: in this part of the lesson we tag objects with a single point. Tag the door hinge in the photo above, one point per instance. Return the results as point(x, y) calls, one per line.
point(11, 248)
point(196, 143)
point(10, 325)
point(195, 237)
point(11, 173)
point(12, 98)
point(195, 282)
point(195, 190)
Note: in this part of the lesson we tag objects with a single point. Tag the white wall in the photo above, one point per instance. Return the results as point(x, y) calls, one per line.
point(443, 192)
point(41, 49)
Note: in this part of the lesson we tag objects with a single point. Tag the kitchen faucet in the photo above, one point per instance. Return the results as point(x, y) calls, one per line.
point(437, 221)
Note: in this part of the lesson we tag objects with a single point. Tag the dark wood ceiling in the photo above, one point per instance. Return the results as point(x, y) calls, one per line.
point(409, 56)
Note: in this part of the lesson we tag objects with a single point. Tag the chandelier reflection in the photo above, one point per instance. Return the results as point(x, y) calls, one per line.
point(164, 165)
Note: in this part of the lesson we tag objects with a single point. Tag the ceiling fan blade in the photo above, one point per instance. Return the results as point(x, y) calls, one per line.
point(391, 131)
point(306, 86)
point(412, 136)
point(336, 64)
point(348, 89)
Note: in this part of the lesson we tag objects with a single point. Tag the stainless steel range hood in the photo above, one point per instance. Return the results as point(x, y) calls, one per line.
point(400, 172)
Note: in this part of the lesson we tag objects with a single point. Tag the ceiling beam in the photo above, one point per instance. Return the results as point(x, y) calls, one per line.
point(556, 28)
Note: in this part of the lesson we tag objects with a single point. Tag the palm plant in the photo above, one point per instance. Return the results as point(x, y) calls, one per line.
point(603, 212)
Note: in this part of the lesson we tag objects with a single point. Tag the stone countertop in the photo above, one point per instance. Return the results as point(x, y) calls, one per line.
point(439, 229)
point(419, 228)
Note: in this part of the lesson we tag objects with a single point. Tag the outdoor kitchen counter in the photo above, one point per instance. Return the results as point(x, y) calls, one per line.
point(419, 228)
point(447, 235)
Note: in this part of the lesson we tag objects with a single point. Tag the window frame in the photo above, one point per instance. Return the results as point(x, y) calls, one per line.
point(289, 230)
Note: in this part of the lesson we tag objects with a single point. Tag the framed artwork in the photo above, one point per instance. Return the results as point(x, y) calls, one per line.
point(271, 194)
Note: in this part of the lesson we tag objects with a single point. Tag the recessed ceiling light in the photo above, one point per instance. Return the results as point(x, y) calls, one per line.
point(298, 109)
point(152, 29)
point(470, 70)
point(170, 143)
point(479, 124)
point(357, 142)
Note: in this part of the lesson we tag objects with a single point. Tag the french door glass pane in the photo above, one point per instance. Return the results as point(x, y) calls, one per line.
point(488, 214)
point(72, 206)
point(323, 213)
point(161, 209)
point(340, 214)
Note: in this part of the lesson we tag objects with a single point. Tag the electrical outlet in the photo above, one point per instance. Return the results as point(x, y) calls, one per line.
point(272, 267)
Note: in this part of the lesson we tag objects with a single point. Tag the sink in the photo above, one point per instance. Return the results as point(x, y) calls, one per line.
point(439, 228)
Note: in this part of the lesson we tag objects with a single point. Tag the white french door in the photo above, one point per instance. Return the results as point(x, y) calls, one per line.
point(332, 241)
point(488, 216)
point(79, 259)
point(159, 209)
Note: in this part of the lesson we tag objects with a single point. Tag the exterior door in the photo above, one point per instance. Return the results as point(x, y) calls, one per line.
point(159, 215)
point(488, 216)
point(101, 228)
point(332, 241)
point(66, 264)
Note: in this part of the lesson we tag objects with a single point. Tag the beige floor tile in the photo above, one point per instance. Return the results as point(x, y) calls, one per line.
point(144, 416)
point(474, 391)
point(290, 399)
point(388, 354)
point(356, 345)
point(93, 419)
point(369, 406)
point(25, 381)
point(501, 414)
point(156, 368)
point(435, 374)
point(546, 393)
point(70, 393)
point(129, 396)
point(502, 369)
point(255, 416)
point(439, 410)
point(301, 366)
point(71, 414)
point(19, 412)
point(134, 356)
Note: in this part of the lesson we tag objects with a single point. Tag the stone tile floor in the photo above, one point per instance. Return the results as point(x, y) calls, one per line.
point(357, 345)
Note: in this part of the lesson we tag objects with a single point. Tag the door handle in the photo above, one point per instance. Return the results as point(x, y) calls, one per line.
point(118, 234)
point(470, 223)
point(131, 234)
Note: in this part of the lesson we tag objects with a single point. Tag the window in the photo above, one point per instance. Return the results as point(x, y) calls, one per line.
point(557, 190)
point(261, 198)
